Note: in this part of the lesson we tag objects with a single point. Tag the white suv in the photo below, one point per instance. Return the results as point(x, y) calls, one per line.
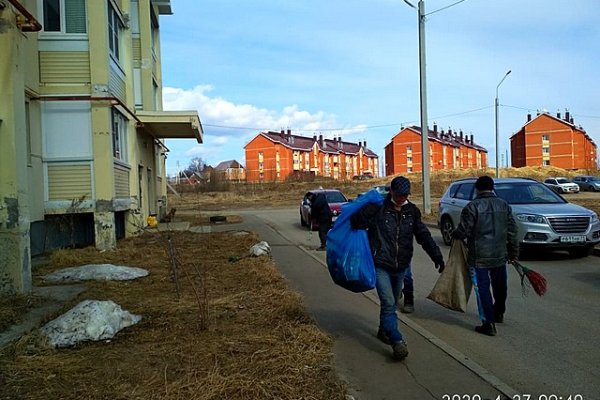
point(544, 219)
point(561, 185)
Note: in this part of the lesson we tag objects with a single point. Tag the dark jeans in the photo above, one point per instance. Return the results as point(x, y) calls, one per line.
point(490, 302)
point(408, 289)
point(324, 227)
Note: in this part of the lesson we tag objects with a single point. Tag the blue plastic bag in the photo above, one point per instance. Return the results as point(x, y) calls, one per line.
point(349, 258)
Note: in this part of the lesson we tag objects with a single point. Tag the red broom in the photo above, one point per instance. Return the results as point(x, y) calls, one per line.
point(534, 279)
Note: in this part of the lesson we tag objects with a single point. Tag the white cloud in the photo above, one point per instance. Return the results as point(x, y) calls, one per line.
point(221, 117)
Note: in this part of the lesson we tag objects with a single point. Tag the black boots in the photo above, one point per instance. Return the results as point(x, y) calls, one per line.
point(487, 328)
point(409, 303)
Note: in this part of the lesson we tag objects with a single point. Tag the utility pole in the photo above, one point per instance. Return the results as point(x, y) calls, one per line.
point(424, 126)
point(496, 104)
point(423, 97)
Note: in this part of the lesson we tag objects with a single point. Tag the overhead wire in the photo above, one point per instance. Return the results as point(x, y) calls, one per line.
point(405, 123)
point(361, 127)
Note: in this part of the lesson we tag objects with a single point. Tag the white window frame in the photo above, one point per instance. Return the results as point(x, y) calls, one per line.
point(63, 22)
point(115, 28)
point(119, 135)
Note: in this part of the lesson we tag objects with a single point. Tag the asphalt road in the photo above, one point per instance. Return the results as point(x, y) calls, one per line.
point(546, 345)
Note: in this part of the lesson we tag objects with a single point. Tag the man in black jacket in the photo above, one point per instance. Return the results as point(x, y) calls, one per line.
point(391, 228)
point(488, 225)
point(320, 211)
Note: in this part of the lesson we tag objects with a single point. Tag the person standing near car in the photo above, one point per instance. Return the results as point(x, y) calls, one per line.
point(391, 228)
point(320, 211)
point(488, 225)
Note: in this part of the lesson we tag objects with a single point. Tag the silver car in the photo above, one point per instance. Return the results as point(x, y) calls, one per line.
point(544, 218)
point(585, 182)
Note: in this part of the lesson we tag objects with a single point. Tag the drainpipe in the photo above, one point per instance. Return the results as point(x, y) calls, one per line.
point(30, 24)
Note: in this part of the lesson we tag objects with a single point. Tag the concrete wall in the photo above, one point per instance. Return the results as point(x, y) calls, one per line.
point(15, 258)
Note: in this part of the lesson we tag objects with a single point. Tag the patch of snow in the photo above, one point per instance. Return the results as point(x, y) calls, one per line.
point(89, 320)
point(101, 272)
point(260, 249)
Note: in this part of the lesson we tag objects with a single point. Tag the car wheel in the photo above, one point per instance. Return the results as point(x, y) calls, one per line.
point(447, 228)
point(580, 252)
point(302, 221)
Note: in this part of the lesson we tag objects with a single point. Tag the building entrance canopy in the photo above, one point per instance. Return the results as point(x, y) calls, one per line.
point(171, 124)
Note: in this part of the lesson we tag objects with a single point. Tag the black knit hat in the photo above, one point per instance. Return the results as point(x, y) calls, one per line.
point(400, 185)
point(484, 183)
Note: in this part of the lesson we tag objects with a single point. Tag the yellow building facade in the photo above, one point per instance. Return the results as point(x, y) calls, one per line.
point(82, 128)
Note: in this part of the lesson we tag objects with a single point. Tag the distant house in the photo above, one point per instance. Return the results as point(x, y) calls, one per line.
point(549, 140)
point(232, 170)
point(447, 150)
point(273, 156)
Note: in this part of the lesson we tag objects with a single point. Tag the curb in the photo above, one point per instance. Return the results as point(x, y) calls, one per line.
point(459, 357)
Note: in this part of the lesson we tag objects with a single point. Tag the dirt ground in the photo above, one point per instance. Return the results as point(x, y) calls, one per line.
point(236, 331)
point(290, 194)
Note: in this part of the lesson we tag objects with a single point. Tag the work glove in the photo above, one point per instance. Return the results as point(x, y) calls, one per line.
point(439, 265)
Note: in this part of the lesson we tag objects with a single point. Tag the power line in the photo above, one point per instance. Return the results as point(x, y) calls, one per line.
point(443, 8)
point(366, 127)
point(531, 108)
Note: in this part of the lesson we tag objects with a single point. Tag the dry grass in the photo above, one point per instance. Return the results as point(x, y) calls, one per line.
point(13, 308)
point(260, 343)
point(289, 194)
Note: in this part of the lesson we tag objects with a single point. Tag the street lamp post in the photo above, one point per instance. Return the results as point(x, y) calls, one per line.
point(496, 104)
point(423, 96)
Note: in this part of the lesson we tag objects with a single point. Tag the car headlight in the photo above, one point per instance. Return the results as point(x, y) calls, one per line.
point(538, 219)
point(594, 217)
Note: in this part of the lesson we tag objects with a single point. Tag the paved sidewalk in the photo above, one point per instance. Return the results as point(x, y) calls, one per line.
point(432, 369)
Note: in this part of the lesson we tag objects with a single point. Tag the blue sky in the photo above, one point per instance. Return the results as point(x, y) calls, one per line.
point(350, 68)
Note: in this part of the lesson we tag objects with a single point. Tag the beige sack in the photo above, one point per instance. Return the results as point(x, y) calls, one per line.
point(453, 287)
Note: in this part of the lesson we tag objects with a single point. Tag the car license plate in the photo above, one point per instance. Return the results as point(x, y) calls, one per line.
point(572, 239)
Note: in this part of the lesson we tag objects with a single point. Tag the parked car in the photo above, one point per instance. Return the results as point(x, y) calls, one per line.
point(561, 185)
point(544, 218)
point(381, 189)
point(335, 198)
point(362, 177)
point(586, 182)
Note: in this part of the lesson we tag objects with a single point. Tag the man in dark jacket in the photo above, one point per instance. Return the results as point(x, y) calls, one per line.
point(391, 228)
point(488, 225)
point(320, 211)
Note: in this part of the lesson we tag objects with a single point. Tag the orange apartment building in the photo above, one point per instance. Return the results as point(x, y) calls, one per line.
point(273, 156)
point(549, 140)
point(447, 150)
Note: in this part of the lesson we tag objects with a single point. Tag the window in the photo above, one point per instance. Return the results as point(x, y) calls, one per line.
point(64, 16)
point(546, 150)
point(545, 137)
point(408, 147)
point(465, 191)
point(114, 31)
point(546, 163)
point(119, 135)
